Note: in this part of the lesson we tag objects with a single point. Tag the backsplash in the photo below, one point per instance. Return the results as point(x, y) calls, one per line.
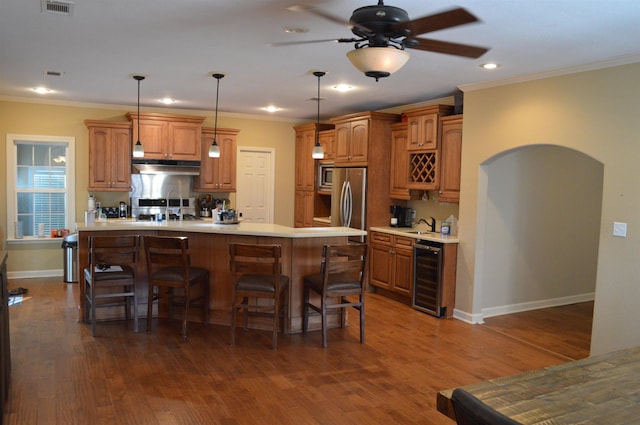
point(432, 208)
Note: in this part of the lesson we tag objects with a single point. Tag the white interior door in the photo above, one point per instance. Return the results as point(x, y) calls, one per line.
point(255, 191)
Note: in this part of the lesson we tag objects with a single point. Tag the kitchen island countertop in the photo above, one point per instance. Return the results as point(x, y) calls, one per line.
point(208, 226)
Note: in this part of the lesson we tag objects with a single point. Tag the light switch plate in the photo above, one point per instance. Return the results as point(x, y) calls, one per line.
point(620, 229)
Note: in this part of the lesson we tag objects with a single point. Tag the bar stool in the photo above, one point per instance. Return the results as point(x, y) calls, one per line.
point(169, 267)
point(257, 274)
point(110, 279)
point(341, 275)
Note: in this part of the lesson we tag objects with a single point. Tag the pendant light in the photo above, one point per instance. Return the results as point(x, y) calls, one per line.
point(318, 152)
point(214, 149)
point(138, 150)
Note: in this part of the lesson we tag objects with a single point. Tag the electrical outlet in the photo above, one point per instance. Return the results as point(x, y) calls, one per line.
point(413, 214)
point(620, 229)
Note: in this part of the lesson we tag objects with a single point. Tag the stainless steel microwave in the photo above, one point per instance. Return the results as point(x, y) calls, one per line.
point(325, 177)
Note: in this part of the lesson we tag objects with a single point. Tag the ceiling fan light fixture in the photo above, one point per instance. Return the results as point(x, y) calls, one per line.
point(378, 62)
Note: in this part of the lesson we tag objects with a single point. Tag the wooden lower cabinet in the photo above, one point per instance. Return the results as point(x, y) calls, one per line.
point(391, 263)
point(303, 209)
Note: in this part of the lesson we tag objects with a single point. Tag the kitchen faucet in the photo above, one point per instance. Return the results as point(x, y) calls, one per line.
point(432, 225)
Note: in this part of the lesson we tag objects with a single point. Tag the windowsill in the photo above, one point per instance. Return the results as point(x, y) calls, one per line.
point(33, 240)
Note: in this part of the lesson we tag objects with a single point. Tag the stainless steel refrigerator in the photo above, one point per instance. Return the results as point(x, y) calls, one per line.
point(348, 203)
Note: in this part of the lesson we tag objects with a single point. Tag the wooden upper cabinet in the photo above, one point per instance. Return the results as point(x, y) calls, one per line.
point(328, 143)
point(423, 126)
point(399, 175)
point(352, 142)
point(109, 156)
point(168, 136)
point(218, 174)
point(450, 159)
point(305, 166)
point(359, 136)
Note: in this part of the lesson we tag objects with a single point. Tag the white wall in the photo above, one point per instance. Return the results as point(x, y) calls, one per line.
point(593, 112)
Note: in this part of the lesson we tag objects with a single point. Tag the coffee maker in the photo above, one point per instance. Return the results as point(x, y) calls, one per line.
point(400, 216)
point(123, 210)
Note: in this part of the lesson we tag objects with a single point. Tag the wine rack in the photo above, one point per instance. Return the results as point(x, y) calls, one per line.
point(423, 171)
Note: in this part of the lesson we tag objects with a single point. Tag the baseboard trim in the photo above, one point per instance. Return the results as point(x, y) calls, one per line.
point(478, 318)
point(29, 274)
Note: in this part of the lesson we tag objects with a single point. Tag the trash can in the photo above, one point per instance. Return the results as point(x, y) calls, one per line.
point(70, 246)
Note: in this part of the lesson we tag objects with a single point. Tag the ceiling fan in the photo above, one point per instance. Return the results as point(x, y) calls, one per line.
point(384, 32)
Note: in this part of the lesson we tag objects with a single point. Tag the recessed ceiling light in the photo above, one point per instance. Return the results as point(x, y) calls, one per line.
point(42, 90)
point(271, 108)
point(342, 87)
point(168, 101)
point(490, 66)
point(296, 30)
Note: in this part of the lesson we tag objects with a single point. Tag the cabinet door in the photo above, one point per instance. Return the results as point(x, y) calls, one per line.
point(183, 141)
point(327, 141)
point(227, 164)
point(380, 266)
point(99, 158)
point(153, 136)
point(399, 174)
point(305, 164)
point(403, 279)
point(109, 159)
point(217, 174)
point(342, 142)
point(450, 158)
point(303, 209)
point(422, 132)
point(120, 158)
point(359, 141)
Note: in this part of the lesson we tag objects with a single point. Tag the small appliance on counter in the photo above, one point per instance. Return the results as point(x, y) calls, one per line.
point(123, 210)
point(400, 216)
point(110, 212)
point(227, 217)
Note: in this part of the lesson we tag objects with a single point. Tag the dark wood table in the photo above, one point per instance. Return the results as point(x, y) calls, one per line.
point(602, 389)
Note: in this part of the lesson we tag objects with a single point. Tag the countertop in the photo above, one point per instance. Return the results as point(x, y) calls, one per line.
point(208, 226)
point(424, 234)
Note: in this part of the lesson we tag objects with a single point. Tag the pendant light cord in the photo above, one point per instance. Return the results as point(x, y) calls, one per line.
point(215, 125)
point(318, 74)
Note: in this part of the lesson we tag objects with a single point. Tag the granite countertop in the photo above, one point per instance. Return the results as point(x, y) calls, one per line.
point(209, 226)
point(424, 234)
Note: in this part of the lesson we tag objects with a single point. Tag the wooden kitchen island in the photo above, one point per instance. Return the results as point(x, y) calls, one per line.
point(208, 244)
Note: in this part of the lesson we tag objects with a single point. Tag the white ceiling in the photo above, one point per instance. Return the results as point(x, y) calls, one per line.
point(179, 44)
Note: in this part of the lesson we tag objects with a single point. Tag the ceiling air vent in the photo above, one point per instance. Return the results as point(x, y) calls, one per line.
point(57, 6)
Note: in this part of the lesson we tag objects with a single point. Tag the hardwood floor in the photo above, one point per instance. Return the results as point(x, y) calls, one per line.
point(62, 375)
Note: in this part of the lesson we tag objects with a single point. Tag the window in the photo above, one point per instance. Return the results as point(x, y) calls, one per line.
point(40, 184)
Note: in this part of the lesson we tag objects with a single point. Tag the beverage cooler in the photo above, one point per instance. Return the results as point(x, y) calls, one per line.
point(427, 278)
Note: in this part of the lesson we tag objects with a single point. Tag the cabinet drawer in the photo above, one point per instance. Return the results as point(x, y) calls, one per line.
point(381, 238)
point(404, 243)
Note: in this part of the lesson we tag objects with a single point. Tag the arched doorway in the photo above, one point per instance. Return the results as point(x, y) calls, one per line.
point(539, 208)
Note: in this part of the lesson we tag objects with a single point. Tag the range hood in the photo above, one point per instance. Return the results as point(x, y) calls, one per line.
point(165, 166)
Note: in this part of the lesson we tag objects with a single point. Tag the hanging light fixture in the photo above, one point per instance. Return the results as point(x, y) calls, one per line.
point(318, 152)
point(378, 62)
point(214, 149)
point(138, 150)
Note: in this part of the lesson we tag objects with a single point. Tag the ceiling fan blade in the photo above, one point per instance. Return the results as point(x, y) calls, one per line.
point(325, 15)
point(439, 21)
point(292, 43)
point(449, 48)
